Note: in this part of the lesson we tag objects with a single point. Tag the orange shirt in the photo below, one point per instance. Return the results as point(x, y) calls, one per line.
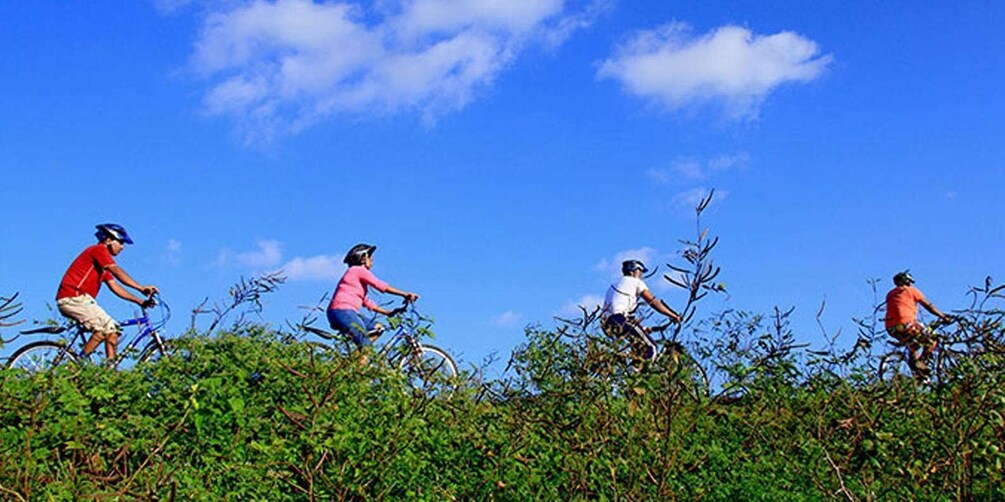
point(902, 305)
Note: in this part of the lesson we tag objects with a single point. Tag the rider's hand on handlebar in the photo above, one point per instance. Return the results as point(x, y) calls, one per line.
point(149, 291)
point(149, 302)
point(411, 297)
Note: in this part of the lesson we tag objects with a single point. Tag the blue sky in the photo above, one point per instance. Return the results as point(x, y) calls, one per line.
point(504, 154)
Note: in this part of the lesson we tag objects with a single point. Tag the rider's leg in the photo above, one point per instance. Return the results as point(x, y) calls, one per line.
point(356, 326)
point(84, 310)
point(644, 345)
point(111, 344)
point(92, 343)
point(612, 326)
point(375, 332)
point(918, 353)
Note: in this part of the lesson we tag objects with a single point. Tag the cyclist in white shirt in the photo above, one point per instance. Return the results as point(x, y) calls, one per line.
point(619, 306)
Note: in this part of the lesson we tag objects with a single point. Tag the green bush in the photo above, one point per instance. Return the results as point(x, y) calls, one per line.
point(253, 416)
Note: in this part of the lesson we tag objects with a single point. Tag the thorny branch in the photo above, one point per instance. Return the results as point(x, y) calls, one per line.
point(246, 293)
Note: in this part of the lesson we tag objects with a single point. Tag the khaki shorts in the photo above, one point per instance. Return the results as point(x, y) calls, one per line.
point(86, 311)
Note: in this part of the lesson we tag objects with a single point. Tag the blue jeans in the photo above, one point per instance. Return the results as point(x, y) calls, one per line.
point(353, 324)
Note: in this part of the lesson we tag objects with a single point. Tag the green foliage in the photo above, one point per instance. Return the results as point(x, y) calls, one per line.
point(254, 416)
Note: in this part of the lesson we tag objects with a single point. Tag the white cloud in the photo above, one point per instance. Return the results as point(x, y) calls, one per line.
point(508, 319)
point(689, 199)
point(315, 268)
point(691, 169)
point(279, 66)
point(730, 66)
point(589, 302)
point(173, 252)
point(612, 267)
point(268, 254)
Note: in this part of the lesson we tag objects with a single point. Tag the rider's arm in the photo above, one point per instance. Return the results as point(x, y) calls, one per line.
point(121, 275)
point(410, 297)
point(380, 310)
point(123, 293)
point(931, 308)
point(659, 306)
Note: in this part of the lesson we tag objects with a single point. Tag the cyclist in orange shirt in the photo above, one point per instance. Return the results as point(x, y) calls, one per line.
point(902, 321)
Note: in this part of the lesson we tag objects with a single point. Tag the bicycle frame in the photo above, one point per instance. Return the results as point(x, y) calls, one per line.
point(426, 367)
point(147, 329)
point(404, 333)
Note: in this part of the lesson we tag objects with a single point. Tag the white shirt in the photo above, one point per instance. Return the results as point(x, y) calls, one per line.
point(623, 296)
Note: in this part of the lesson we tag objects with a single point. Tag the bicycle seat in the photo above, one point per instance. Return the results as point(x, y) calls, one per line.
point(49, 330)
point(318, 331)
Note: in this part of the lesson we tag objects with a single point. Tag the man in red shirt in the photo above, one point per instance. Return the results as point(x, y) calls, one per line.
point(82, 281)
point(902, 321)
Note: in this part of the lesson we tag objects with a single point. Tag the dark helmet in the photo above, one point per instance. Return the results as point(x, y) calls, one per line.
point(903, 278)
point(358, 253)
point(112, 231)
point(629, 266)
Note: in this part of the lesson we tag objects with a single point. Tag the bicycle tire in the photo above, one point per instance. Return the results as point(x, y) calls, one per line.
point(38, 357)
point(153, 352)
point(431, 370)
point(890, 365)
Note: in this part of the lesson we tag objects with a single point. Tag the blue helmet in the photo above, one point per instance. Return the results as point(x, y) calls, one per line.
point(112, 231)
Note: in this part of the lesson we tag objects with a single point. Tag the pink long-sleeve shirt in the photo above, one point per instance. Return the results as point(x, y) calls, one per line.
point(352, 288)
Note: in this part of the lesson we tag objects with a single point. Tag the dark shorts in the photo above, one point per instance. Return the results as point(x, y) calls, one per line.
point(351, 323)
point(621, 326)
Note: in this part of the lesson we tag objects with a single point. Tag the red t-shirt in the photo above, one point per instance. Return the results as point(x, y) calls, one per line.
point(86, 273)
point(902, 305)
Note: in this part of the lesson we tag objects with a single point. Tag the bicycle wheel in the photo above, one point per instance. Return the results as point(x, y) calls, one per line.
point(154, 352)
point(890, 365)
point(39, 357)
point(430, 370)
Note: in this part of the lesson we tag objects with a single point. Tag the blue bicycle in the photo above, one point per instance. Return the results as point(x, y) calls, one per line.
point(427, 368)
point(44, 355)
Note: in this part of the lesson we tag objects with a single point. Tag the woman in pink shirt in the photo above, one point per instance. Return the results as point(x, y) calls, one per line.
point(350, 295)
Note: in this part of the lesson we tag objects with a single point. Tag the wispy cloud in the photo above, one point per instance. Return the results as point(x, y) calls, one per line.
point(508, 319)
point(172, 252)
point(268, 257)
point(315, 268)
point(267, 254)
point(689, 199)
point(574, 307)
point(691, 169)
point(612, 267)
point(279, 66)
point(730, 66)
